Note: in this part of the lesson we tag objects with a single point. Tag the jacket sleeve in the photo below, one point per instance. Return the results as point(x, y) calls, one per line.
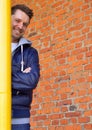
point(27, 81)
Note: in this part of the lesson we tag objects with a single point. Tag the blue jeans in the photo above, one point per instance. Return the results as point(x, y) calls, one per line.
point(21, 127)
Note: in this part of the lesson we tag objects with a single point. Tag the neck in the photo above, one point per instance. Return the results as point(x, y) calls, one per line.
point(14, 40)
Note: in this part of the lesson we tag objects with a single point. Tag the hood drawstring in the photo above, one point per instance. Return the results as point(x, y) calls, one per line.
point(22, 62)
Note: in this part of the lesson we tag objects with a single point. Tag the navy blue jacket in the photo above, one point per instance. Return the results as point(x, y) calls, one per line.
point(23, 57)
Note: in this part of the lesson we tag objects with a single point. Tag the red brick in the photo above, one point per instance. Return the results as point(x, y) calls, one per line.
point(61, 32)
point(73, 127)
point(84, 120)
point(73, 114)
point(55, 122)
point(88, 67)
point(73, 120)
point(88, 113)
point(59, 128)
point(64, 109)
point(83, 106)
point(88, 126)
point(64, 122)
point(82, 99)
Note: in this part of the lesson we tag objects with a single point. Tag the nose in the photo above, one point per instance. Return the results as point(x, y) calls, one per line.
point(20, 25)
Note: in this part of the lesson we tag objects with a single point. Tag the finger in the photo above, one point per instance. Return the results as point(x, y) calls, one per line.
point(27, 70)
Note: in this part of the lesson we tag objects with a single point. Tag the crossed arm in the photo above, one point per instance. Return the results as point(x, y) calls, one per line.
point(27, 70)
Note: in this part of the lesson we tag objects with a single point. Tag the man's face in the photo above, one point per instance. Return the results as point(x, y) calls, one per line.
point(20, 21)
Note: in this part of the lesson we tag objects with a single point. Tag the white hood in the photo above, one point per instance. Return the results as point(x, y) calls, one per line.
point(22, 42)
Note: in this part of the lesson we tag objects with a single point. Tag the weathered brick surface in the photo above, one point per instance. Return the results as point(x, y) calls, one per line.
point(61, 30)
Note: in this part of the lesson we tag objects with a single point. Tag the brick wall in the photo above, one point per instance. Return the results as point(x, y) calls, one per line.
point(61, 30)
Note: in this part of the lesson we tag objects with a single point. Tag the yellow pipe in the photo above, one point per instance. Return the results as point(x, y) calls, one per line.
point(5, 65)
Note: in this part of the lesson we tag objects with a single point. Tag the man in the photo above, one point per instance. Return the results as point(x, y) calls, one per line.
point(25, 68)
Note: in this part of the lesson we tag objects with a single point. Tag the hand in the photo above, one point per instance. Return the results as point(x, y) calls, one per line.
point(27, 70)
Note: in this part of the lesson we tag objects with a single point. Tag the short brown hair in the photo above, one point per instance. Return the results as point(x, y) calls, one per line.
point(23, 8)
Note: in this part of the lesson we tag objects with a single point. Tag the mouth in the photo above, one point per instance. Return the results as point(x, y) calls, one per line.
point(17, 31)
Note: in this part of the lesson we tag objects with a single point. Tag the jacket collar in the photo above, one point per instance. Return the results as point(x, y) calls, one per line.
point(23, 41)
